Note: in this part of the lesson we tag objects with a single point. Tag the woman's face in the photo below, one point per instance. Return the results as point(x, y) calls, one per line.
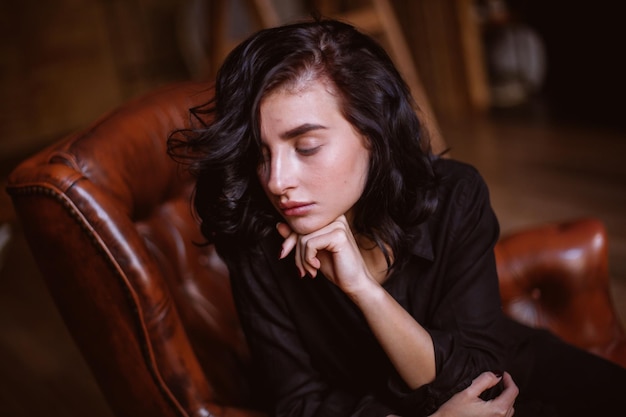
point(315, 163)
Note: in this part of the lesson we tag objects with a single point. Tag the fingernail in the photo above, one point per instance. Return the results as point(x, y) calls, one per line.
point(498, 374)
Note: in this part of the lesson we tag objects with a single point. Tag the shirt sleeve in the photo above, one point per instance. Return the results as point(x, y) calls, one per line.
point(286, 374)
point(464, 321)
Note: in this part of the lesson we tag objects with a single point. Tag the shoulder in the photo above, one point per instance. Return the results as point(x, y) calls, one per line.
point(459, 181)
point(463, 196)
point(453, 170)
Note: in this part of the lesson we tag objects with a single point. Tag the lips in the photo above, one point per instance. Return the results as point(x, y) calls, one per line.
point(295, 208)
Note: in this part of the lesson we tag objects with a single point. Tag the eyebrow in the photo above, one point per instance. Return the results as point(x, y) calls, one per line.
point(301, 130)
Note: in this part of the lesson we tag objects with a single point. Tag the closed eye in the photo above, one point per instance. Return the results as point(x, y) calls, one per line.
point(308, 151)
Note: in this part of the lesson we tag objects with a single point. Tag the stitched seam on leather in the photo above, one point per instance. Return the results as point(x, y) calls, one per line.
point(76, 215)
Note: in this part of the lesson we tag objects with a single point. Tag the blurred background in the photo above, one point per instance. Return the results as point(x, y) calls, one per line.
point(530, 92)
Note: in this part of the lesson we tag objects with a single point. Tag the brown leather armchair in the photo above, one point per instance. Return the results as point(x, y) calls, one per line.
point(555, 276)
point(107, 216)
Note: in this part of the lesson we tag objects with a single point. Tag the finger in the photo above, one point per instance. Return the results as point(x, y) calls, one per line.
point(298, 256)
point(309, 259)
point(507, 380)
point(482, 382)
point(510, 390)
point(312, 267)
point(283, 229)
point(306, 256)
point(322, 247)
point(289, 243)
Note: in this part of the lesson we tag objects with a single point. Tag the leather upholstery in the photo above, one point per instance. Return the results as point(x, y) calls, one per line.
point(556, 276)
point(106, 214)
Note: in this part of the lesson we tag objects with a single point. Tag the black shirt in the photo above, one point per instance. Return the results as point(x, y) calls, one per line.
point(317, 354)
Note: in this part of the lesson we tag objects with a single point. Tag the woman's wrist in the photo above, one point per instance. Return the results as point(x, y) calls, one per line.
point(370, 294)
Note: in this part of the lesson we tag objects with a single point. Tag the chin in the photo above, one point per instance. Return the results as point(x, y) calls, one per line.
point(304, 226)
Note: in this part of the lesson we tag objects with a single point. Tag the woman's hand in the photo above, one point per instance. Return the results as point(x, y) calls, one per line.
point(467, 403)
point(332, 250)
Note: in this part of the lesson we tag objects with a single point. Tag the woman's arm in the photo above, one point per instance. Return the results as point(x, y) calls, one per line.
point(407, 344)
point(334, 251)
point(462, 297)
point(287, 379)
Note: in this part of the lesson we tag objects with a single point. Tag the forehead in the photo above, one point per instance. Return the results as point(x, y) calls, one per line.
point(307, 81)
point(307, 101)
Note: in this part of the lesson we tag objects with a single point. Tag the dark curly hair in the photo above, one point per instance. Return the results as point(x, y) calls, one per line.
point(224, 153)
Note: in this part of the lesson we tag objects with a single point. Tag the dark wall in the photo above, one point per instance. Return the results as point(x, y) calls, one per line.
point(586, 69)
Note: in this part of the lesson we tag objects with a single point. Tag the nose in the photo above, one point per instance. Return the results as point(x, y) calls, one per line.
point(280, 174)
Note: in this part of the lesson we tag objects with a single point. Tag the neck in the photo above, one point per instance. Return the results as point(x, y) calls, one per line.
point(374, 259)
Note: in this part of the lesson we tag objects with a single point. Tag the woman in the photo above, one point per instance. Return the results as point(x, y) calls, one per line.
point(362, 265)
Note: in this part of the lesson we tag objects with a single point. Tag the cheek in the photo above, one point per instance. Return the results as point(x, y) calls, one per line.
point(360, 167)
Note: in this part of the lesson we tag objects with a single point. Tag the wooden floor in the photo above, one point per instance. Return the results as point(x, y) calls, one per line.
point(537, 172)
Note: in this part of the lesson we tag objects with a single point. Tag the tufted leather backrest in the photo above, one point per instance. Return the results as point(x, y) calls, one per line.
point(556, 276)
point(107, 215)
